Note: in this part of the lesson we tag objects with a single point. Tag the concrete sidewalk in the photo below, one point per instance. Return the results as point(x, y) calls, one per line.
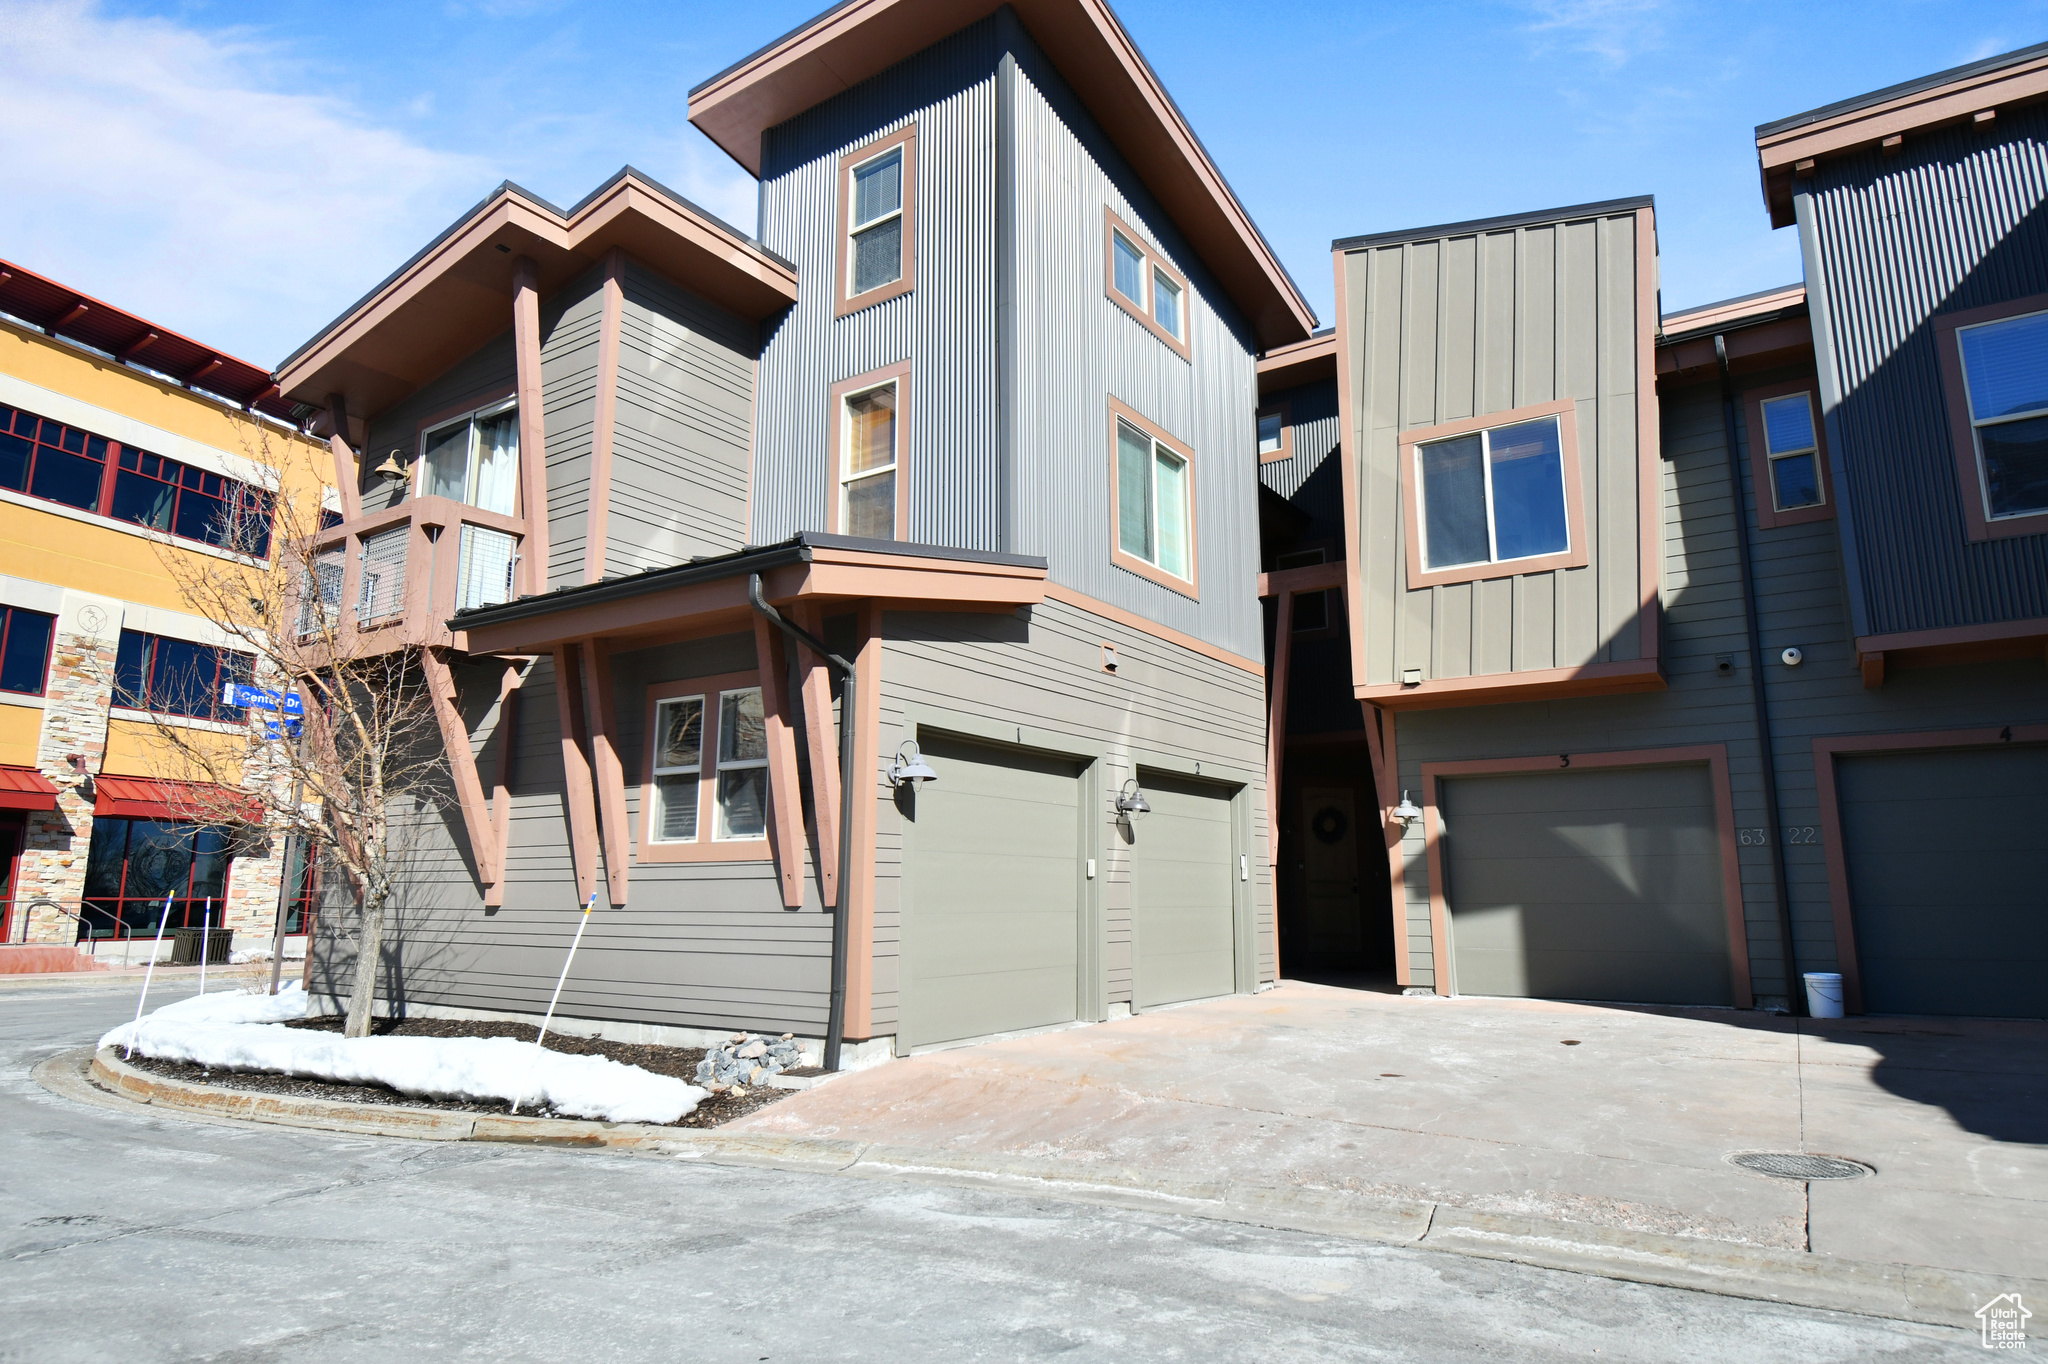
point(1614, 1117)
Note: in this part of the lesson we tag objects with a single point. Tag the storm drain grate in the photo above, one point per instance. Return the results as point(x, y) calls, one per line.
point(1790, 1165)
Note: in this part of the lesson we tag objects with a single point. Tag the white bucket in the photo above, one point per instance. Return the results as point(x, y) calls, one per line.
point(1824, 994)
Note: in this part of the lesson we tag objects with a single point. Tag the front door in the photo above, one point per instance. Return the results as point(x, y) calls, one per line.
point(1332, 930)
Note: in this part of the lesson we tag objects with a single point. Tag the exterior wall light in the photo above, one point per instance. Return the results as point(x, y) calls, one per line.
point(1131, 800)
point(910, 766)
point(1406, 811)
point(393, 467)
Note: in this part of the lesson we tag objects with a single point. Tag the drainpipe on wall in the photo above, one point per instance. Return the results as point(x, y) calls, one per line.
point(1794, 994)
point(849, 716)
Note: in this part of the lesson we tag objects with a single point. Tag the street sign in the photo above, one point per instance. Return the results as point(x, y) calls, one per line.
point(257, 698)
point(288, 729)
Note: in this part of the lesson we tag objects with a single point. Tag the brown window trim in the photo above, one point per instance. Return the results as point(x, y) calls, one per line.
point(1767, 514)
point(1113, 226)
point(898, 374)
point(842, 305)
point(1286, 450)
point(704, 848)
point(1186, 587)
point(1962, 436)
point(1566, 412)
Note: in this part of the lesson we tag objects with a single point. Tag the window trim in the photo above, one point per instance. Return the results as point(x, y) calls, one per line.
point(1114, 226)
point(1286, 450)
point(706, 847)
point(845, 303)
point(1978, 522)
point(8, 610)
point(1566, 412)
point(1189, 586)
point(835, 442)
point(147, 709)
point(505, 401)
point(1764, 489)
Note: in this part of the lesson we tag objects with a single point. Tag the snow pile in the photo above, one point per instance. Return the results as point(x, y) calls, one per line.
point(238, 1031)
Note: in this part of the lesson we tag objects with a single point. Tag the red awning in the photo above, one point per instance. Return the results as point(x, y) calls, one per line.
point(183, 801)
point(24, 788)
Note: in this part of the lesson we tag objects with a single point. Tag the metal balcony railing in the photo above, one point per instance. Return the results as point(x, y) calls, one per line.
point(394, 577)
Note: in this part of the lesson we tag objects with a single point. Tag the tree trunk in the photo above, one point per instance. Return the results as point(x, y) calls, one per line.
point(362, 998)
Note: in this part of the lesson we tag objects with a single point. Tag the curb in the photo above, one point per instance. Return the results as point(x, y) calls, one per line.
point(1936, 1297)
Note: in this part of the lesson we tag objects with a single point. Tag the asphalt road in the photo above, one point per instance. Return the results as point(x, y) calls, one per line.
point(134, 1237)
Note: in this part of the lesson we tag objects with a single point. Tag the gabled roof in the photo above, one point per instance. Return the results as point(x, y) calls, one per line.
point(861, 38)
point(455, 294)
point(63, 311)
point(1952, 96)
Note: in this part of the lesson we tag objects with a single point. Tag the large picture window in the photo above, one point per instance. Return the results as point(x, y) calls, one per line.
point(1493, 496)
point(25, 650)
point(474, 460)
point(134, 865)
point(177, 677)
point(1153, 501)
point(706, 793)
point(1142, 283)
point(877, 222)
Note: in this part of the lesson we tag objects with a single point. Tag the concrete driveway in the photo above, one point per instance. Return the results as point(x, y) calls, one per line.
point(1621, 1117)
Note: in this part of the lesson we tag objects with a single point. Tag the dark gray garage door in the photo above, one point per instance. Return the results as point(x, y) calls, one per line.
point(992, 874)
point(1183, 868)
point(1601, 884)
point(1948, 879)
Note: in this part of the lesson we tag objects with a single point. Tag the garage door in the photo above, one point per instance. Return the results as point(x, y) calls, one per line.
point(992, 880)
point(1602, 884)
point(1948, 879)
point(1183, 870)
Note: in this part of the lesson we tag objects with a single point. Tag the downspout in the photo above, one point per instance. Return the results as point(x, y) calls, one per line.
point(849, 716)
point(1758, 701)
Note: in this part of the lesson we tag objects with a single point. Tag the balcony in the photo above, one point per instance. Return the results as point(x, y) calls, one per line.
point(395, 577)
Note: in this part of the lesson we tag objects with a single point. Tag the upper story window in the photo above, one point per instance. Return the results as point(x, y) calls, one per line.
point(25, 650)
point(74, 468)
point(868, 493)
point(1793, 452)
point(1144, 285)
point(1493, 496)
point(475, 460)
point(2005, 373)
point(177, 677)
point(1275, 433)
point(710, 747)
point(1153, 502)
point(877, 221)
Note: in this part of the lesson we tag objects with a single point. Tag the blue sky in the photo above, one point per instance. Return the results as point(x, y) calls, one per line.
point(242, 172)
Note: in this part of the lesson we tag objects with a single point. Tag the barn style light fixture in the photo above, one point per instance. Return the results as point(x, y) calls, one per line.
point(1406, 811)
point(393, 467)
point(1131, 800)
point(910, 766)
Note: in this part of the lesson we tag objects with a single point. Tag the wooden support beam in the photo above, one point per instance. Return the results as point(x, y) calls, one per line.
point(822, 748)
point(469, 791)
point(503, 771)
point(209, 367)
point(137, 346)
point(533, 437)
point(576, 771)
point(78, 310)
point(597, 520)
point(1276, 723)
point(347, 481)
point(610, 771)
point(1873, 668)
point(785, 812)
point(860, 808)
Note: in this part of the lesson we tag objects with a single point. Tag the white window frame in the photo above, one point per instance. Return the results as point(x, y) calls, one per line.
point(719, 767)
point(846, 477)
point(470, 468)
point(705, 725)
point(1486, 470)
point(854, 229)
point(1187, 510)
point(1977, 425)
point(1771, 456)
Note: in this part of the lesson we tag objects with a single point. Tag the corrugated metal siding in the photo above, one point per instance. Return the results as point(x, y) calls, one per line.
point(1075, 349)
point(945, 326)
point(1311, 479)
point(681, 433)
point(1953, 222)
point(1471, 325)
point(569, 324)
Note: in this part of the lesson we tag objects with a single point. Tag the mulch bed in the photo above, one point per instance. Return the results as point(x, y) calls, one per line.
point(680, 1062)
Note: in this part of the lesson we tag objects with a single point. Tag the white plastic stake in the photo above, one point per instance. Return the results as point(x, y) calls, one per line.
point(205, 937)
point(574, 943)
point(148, 973)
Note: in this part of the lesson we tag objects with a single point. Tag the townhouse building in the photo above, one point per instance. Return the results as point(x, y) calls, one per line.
point(128, 454)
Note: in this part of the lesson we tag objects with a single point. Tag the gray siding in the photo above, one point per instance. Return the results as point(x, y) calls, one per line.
point(485, 376)
point(1312, 479)
point(1475, 324)
point(569, 324)
point(682, 434)
point(1952, 222)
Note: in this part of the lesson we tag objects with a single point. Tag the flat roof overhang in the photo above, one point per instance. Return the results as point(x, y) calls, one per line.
point(1760, 331)
point(456, 294)
point(1304, 362)
point(709, 596)
point(858, 39)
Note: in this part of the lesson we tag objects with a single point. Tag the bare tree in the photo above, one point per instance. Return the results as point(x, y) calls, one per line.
point(365, 743)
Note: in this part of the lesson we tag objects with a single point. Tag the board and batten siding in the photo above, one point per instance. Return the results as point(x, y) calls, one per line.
point(1953, 221)
point(1039, 674)
point(1485, 321)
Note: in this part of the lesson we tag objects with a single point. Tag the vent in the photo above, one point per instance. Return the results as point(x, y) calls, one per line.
point(1791, 1165)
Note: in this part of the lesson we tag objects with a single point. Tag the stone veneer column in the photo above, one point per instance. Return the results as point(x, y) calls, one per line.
point(55, 842)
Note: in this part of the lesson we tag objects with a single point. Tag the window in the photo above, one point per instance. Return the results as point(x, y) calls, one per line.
point(1493, 496)
point(868, 495)
point(25, 650)
point(2005, 373)
point(877, 222)
point(177, 677)
point(1152, 501)
point(49, 460)
point(474, 460)
point(133, 865)
point(1275, 433)
point(707, 790)
point(1788, 454)
point(1142, 284)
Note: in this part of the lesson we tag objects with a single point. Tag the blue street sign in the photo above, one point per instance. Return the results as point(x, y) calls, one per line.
point(257, 698)
point(289, 729)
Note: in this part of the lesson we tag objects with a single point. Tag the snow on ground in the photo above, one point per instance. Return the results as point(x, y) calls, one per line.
point(239, 1030)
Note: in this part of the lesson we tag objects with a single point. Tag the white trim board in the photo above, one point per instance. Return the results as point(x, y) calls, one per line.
point(48, 402)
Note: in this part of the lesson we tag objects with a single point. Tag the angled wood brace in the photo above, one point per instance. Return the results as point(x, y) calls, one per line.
point(469, 790)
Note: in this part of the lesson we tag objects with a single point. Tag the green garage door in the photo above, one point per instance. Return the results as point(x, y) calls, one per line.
point(1602, 884)
point(1183, 871)
point(992, 878)
point(1948, 879)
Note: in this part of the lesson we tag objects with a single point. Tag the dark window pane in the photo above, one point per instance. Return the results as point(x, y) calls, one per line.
point(1528, 491)
point(143, 500)
point(1453, 502)
point(96, 447)
point(2016, 466)
point(1796, 482)
point(1788, 423)
point(103, 860)
point(1134, 492)
point(27, 653)
point(14, 455)
point(878, 256)
point(131, 663)
point(201, 517)
point(73, 440)
point(871, 507)
point(159, 859)
point(72, 480)
point(1311, 611)
point(210, 864)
